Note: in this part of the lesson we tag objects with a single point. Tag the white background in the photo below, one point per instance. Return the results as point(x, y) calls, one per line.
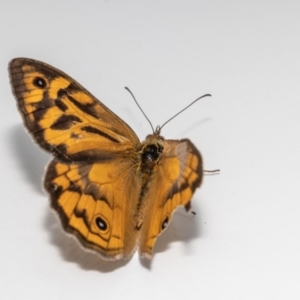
point(244, 242)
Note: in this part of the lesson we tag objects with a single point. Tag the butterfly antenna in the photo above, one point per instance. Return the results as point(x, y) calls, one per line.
point(206, 95)
point(139, 107)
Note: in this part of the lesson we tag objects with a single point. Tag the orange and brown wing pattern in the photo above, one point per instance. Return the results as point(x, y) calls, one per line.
point(96, 202)
point(111, 191)
point(64, 118)
point(175, 179)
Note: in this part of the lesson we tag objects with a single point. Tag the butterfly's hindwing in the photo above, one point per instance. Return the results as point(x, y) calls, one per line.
point(95, 203)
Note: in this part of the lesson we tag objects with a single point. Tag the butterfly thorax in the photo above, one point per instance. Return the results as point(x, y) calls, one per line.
point(151, 150)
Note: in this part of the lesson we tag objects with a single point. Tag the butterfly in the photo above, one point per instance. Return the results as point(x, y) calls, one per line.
point(113, 192)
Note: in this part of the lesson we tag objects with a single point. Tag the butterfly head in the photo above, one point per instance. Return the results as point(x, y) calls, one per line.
point(155, 138)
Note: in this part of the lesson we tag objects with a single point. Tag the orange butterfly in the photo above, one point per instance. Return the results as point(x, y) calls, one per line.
point(113, 192)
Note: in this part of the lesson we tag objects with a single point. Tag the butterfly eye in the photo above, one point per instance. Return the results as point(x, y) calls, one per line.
point(165, 223)
point(101, 224)
point(39, 82)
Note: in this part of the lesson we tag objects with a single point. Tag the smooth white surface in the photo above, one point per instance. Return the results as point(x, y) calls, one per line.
point(244, 242)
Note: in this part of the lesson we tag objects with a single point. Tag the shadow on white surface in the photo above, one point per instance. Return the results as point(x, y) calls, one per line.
point(194, 125)
point(30, 157)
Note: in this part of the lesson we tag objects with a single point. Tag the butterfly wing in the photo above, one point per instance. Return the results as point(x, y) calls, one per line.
point(177, 175)
point(64, 118)
point(95, 202)
point(92, 181)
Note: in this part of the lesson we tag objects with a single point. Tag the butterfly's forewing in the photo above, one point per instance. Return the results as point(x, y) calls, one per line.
point(64, 118)
point(177, 175)
point(96, 202)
